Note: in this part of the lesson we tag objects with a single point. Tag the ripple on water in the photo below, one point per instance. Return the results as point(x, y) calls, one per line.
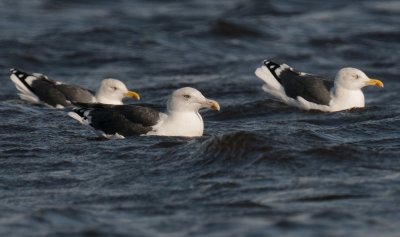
point(237, 146)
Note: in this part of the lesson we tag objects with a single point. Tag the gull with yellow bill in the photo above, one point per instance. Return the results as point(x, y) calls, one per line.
point(310, 92)
point(118, 121)
point(37, 88)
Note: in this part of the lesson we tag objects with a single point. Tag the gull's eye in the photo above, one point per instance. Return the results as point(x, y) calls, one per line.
point(114, 88)
point(186, 96)
point(356, 76)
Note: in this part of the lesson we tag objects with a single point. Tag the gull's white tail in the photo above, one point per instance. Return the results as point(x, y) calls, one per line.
point(22, 82)
point(269, 73)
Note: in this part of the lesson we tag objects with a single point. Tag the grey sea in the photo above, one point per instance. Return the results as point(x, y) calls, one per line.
point(262, 168)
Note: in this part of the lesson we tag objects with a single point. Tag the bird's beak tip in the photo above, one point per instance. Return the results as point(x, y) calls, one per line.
point(132, 94)
point(214, 105)
point(374, 82)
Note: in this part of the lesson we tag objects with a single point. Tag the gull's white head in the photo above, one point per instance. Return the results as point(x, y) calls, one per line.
point(354, 79)
point(188, 99)
point(112, 91)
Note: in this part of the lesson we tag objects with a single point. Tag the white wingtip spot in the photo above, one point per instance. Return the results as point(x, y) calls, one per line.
point(30, 80)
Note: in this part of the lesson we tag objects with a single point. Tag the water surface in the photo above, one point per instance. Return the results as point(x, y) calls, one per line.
point(261, 169)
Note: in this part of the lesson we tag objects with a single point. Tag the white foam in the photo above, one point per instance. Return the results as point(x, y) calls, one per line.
point(109, 136)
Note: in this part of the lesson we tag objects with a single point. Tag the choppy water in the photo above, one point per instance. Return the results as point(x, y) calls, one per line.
point(261, 169)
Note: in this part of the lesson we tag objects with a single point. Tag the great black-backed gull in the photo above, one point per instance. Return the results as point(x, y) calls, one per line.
point(118, 121)
point(307, 91)
point(39, 89)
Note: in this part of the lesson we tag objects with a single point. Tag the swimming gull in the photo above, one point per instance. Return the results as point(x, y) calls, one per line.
point(182, 117)
point(307, 91)
point(39, 89)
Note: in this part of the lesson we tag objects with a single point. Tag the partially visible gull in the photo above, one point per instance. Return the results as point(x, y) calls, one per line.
point(39, 89)
point(118, 121)
point(307, 91)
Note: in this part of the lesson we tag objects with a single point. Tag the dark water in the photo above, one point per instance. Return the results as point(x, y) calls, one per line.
point(261, 169)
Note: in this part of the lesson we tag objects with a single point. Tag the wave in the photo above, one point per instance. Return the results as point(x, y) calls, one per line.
point(236, 146)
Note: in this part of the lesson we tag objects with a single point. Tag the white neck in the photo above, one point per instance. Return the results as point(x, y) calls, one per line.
point(104, 100)
point(343, 98)
point(186, 124)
